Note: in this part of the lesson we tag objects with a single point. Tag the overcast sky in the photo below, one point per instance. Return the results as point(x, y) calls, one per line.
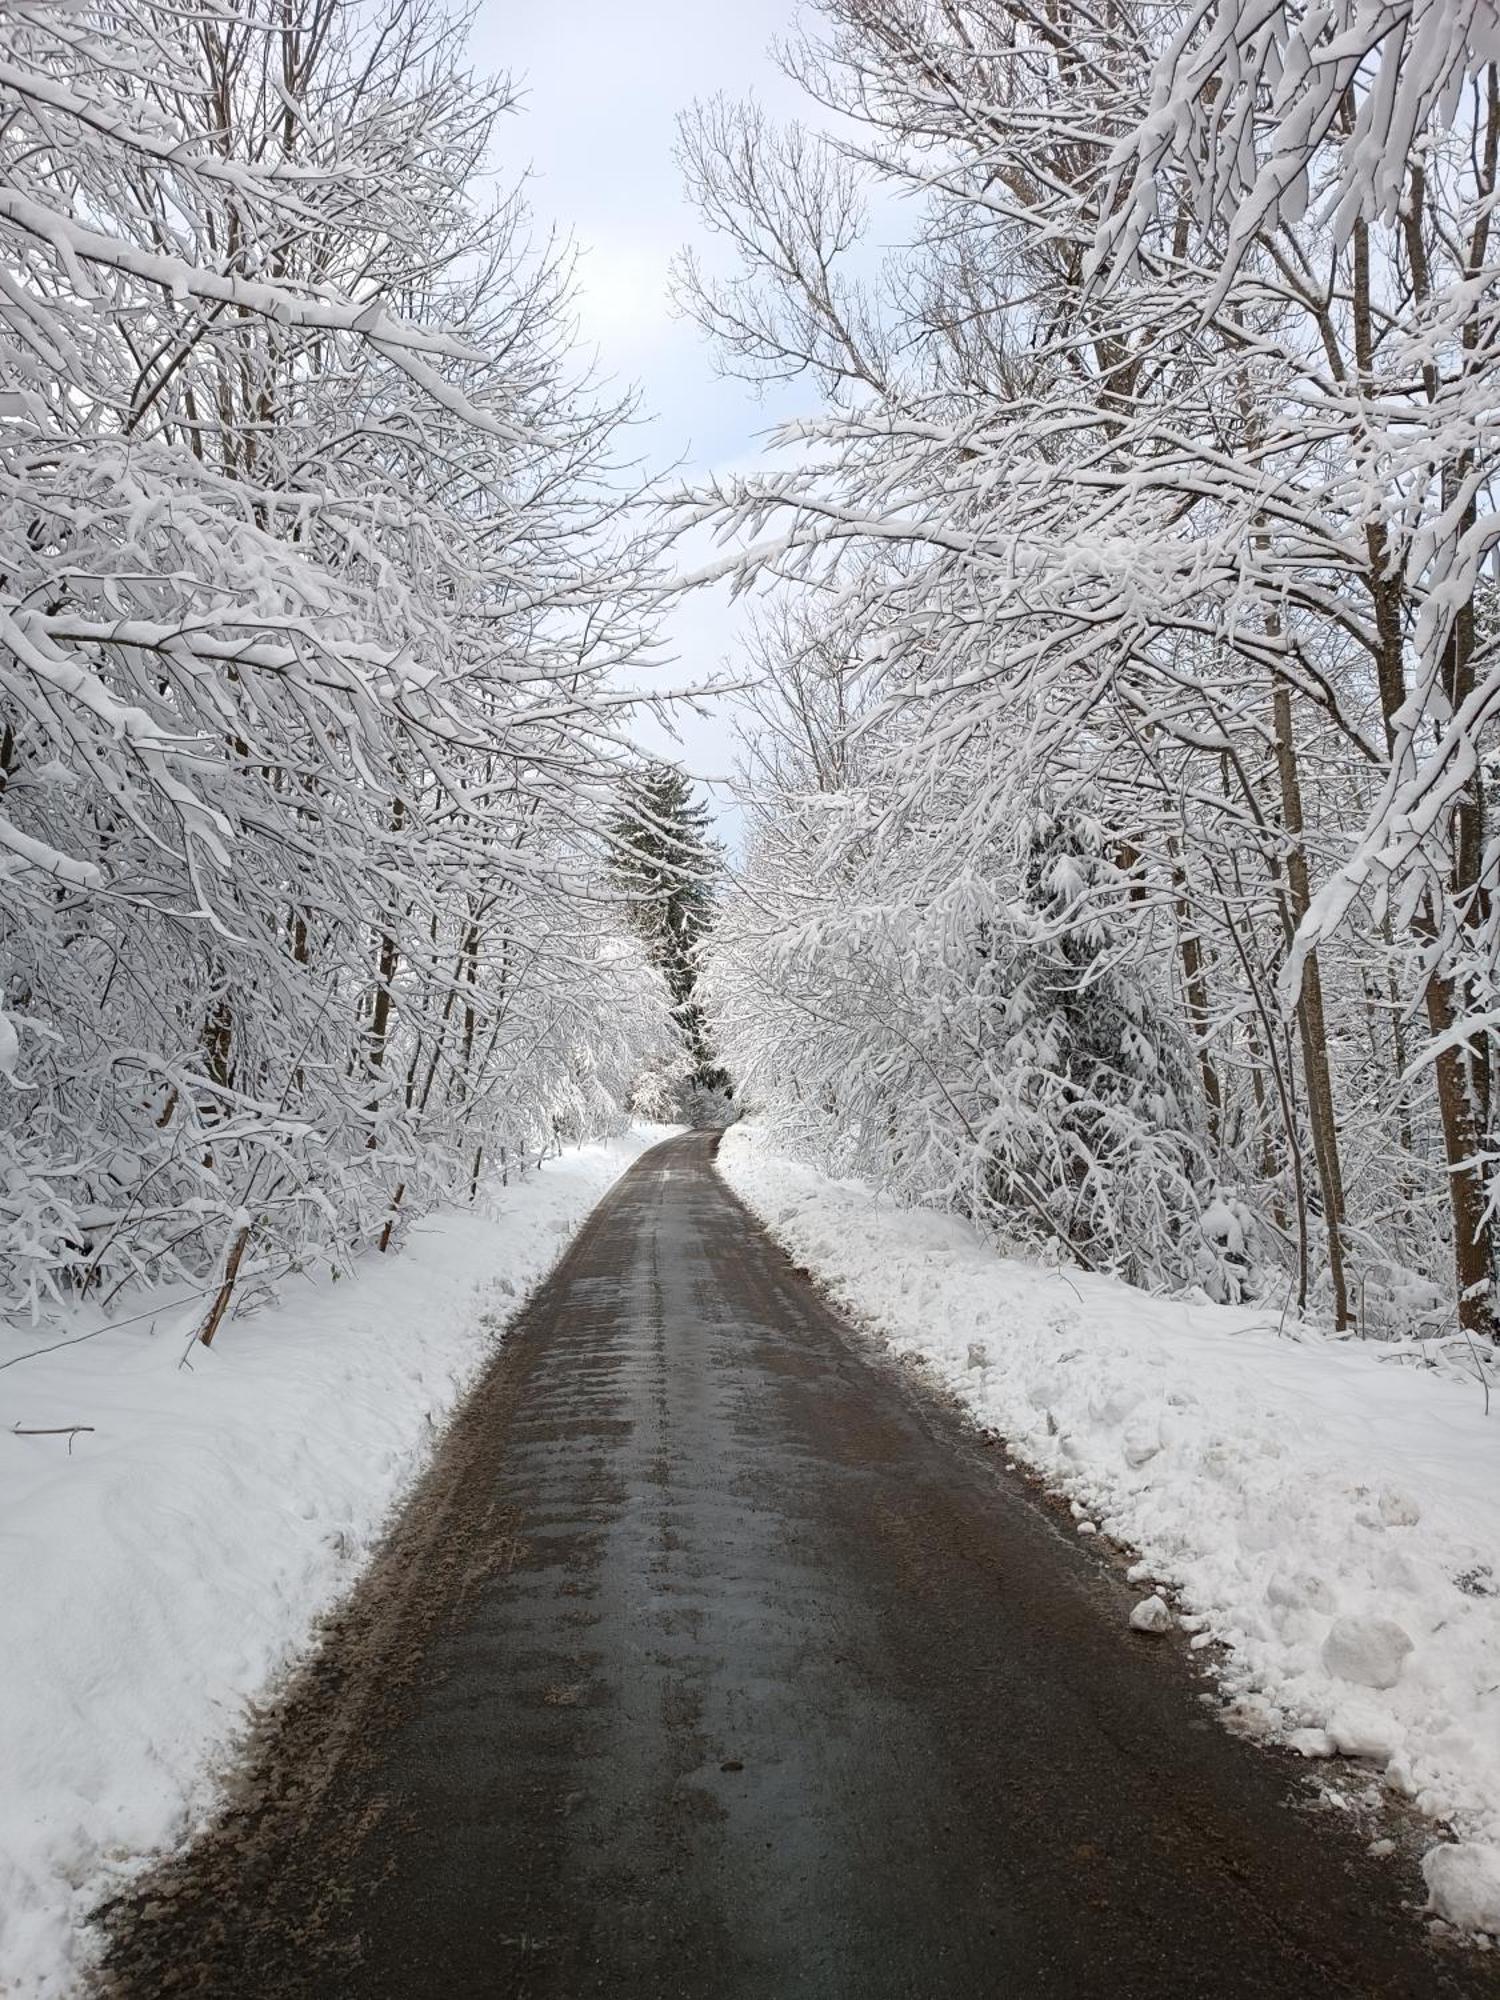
point(603, 85)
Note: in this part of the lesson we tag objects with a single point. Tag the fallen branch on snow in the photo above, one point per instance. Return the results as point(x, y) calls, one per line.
point(69, 1431)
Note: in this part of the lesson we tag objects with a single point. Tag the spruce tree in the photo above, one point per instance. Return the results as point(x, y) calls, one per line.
point(665, 861)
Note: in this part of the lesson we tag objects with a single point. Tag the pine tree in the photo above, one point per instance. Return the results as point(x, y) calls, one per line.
point(665, 862)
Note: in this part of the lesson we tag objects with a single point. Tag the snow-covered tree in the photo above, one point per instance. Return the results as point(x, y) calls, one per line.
point(1155, 463)
point(314, 566)
point(665, 865)
point(990, 1038)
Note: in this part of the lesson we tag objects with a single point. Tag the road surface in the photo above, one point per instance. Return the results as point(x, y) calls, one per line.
point(715, 1658)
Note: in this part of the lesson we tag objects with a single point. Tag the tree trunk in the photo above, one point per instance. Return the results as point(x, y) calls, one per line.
point(1195, 996)
point(1311, 1022)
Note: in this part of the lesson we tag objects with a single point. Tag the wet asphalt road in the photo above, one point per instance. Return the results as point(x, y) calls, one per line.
point(716, 1658)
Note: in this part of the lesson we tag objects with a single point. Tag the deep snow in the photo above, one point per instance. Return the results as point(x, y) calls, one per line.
point(158, 1576)
point(1325, 1509)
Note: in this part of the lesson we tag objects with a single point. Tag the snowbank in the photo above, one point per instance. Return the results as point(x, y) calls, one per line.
point(1331, 1516)
point(157, 1576)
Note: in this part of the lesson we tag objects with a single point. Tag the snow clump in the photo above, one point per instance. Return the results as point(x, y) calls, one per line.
point(1151, 1615)
point(1463, 1885)
point(1368, 1651)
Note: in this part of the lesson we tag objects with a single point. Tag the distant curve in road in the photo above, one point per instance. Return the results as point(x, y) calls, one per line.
point(714, 1658)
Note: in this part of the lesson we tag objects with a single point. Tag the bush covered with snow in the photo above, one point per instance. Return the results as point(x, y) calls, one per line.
point(988, 1043)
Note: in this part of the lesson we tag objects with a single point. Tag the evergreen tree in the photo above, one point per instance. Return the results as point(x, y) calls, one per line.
point(665, 861)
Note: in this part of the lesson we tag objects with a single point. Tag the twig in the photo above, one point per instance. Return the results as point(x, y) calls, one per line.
point(216, 1311)
point(1285, 1304)
point(109, 1326)
point(1484, 1380)
point(69, 1431)
point(390, 1221)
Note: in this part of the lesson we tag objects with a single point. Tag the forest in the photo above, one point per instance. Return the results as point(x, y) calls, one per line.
point(1118, 719)
point(961, 1219)
point(318, 564)
point(1123, 761)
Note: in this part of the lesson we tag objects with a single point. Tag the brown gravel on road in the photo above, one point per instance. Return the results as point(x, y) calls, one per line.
point(714, 1658)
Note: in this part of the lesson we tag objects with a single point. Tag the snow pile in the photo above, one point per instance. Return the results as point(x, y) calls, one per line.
point(1329, 1515)
point(158, 1574)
